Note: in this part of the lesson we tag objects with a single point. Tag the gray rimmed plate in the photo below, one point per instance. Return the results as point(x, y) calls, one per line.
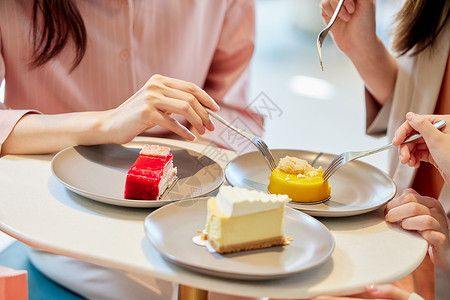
point(170, 229)
point(99, 173)
point(357, 187)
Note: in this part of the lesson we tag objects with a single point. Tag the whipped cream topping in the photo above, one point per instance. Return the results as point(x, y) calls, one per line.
point(297, 166)
point(234, 201)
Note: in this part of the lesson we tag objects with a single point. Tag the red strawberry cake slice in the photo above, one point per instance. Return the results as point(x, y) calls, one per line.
point(150, 174)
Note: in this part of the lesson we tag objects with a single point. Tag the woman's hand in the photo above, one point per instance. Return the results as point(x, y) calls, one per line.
point(434, 147)
point(426, 216)
point(354, 33)
point(154, 105)
point(354, 29)
point(382, 291)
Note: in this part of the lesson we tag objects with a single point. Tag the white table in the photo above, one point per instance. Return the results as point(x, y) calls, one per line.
point(37, 210)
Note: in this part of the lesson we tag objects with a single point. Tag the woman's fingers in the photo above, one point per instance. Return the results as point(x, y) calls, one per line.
point(190, 88)
point(421, 223)
point(402, 133)
point(386, 291)
point(406, 210)
point(348, 8)
point(194, 103)
point(424, 125)
point(327, 11)
point(408, 195)
point(181, 107)
point(177, 96)
point(166, 121)
point(435, 238)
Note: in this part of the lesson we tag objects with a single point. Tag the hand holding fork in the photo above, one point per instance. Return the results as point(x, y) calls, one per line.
point(346, 157)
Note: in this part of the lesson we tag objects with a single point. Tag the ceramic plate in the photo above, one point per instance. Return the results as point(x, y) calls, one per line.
point(357, 187)
point(99, 172)
point(171, 228)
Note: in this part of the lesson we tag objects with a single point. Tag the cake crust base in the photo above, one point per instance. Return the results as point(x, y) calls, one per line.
point(278, 241)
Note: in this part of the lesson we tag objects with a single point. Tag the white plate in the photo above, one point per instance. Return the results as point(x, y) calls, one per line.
point(99, 173)
point(357, 187)
point(171, 228)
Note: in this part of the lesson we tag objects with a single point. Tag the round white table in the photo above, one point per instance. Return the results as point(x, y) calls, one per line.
point(39, 211)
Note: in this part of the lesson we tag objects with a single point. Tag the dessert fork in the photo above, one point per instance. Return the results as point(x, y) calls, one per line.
point(324, 32)
point(257, 141)
point(345, 157)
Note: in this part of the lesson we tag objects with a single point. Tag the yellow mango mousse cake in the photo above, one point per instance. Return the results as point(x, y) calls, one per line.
point(299, 180)
point(239, 219)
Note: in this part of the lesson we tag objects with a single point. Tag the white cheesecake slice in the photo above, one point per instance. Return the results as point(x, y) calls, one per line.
point(239, 219)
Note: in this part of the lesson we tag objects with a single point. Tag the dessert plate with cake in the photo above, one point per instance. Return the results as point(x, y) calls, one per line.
point(137, 174)
point(239, 234)
point(356, 188)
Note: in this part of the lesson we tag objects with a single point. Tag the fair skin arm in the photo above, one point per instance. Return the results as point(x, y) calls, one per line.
point(354, 34)
point(151, 106)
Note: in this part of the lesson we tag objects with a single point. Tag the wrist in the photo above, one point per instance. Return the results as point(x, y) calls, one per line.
point(369, 50)
point(93, 129)
point(378, 68)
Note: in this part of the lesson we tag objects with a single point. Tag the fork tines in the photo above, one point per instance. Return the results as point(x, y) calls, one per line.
point(262, 146)
point(334, 165)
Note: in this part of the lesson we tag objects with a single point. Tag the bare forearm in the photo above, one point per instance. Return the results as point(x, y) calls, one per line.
point(378, 68)
point(36, 134)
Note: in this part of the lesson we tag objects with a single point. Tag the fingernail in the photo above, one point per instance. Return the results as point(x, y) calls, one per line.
point(193, 137)
point(350, 7)
point(371, 288)
point(410, 115)
point(345, 16)
point(211, 126)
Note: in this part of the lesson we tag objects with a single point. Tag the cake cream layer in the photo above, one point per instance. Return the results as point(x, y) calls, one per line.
point(234, 201)
point(251, 231)
point(150, 174)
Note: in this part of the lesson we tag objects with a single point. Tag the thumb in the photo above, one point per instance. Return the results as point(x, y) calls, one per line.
point(424, 126)
point(387, 291)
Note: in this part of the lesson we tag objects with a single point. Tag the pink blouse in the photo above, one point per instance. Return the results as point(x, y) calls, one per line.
point(209, 43)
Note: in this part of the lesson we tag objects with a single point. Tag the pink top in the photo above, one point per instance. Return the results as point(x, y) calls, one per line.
point(209, 43)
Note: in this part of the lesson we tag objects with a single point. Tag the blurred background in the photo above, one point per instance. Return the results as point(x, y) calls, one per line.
point(306, 108)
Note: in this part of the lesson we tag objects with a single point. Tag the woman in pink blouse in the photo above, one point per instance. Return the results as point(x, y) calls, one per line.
point(103, 71)
point(92, 74)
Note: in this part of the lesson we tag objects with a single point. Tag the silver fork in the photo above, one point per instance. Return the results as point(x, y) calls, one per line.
point(345, 157)
point(324, 31)
point(257, 141)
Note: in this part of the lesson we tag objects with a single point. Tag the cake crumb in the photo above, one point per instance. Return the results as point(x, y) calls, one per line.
point(199, 231)
point(203, 237)
point(289, 238)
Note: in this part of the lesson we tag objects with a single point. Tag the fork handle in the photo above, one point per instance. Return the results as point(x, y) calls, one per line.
point(224, 122)
point(336, 12)
point(413, 137)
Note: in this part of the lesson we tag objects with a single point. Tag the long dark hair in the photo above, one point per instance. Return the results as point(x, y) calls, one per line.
point(419, 24)
point(61, 21)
